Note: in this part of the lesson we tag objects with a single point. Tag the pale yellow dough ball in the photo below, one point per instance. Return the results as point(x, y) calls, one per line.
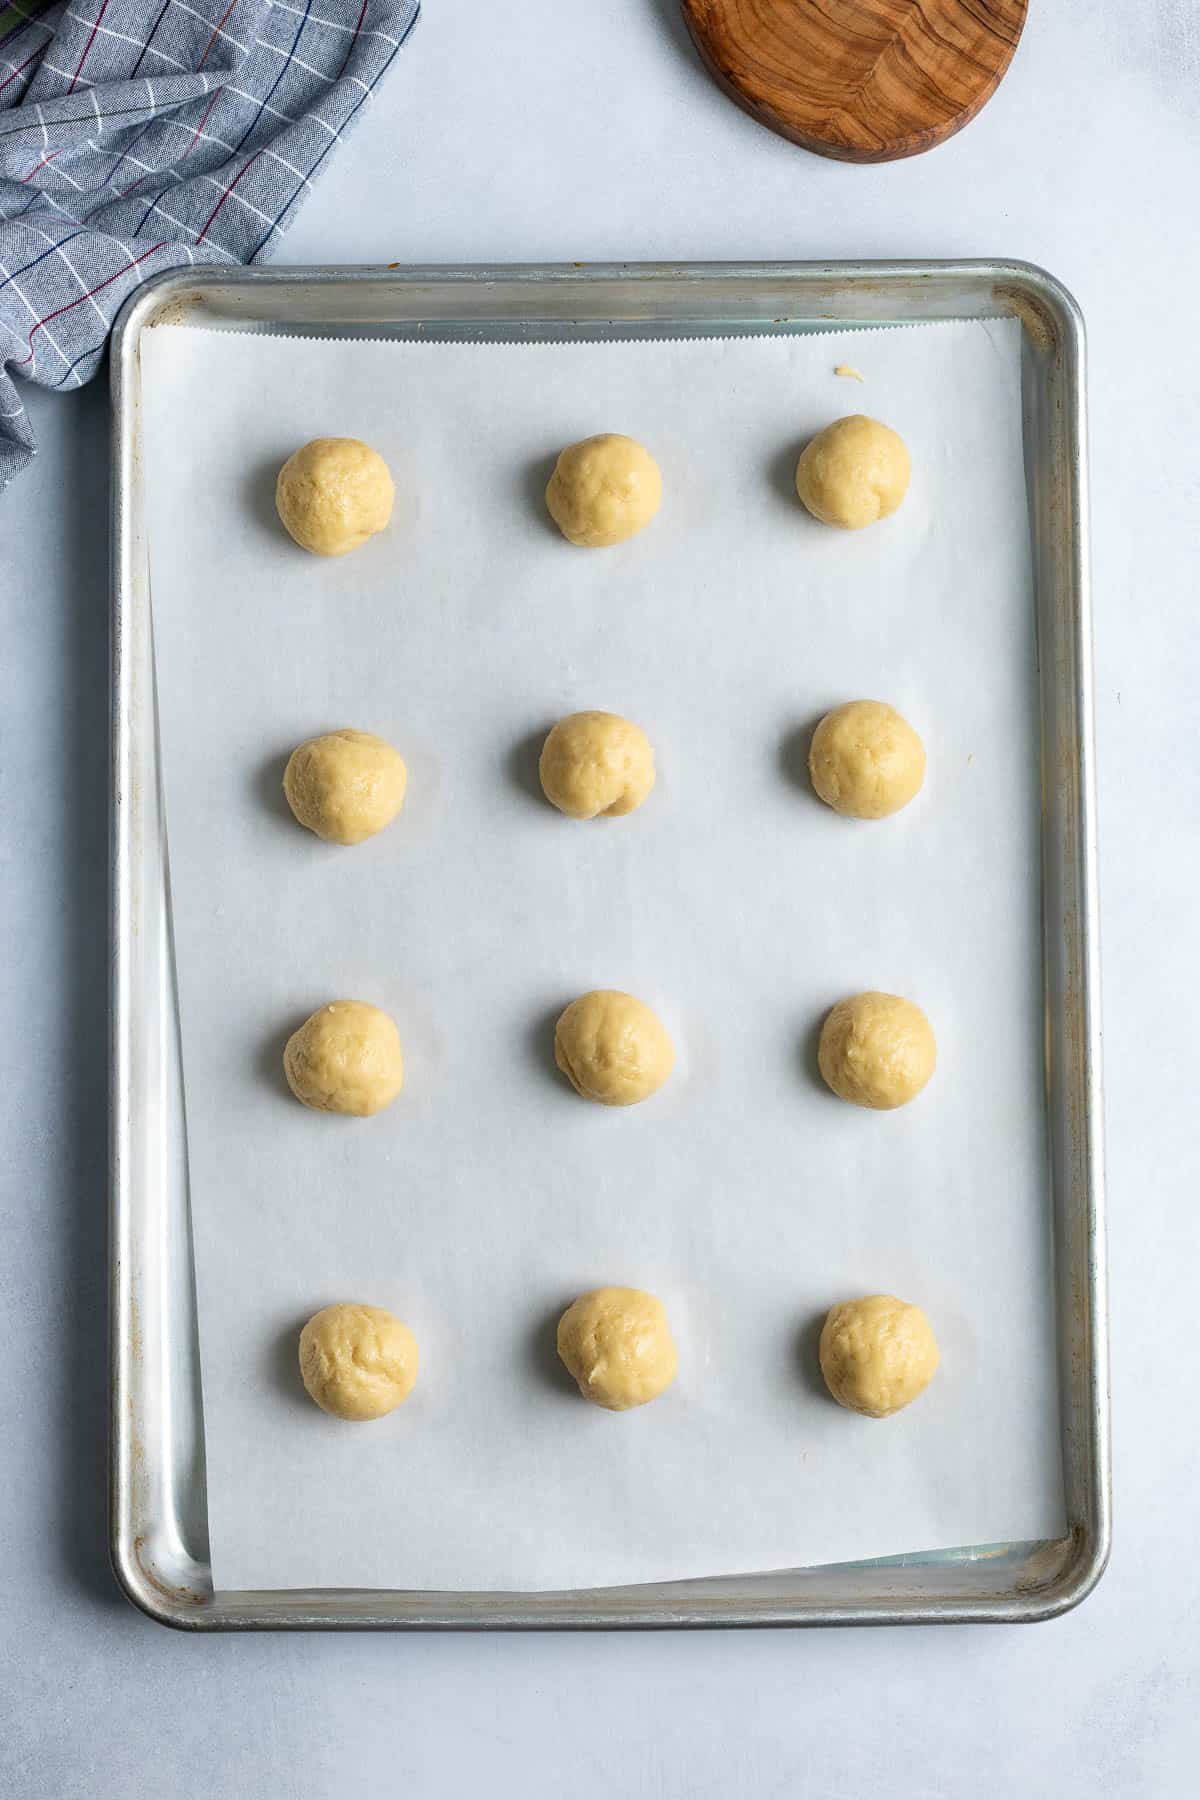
point(877, 1050)
point(357, 1362)
point(617, 1344)
point(345, 785)
point(346, 1058)
point(612, 1048)
point(596, 763)
point(866, 761)
point(603, 490)
point(877, 1354)
point(333, 494)
point(853, 472)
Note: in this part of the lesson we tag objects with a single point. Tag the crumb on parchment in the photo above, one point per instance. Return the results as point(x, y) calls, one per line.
point(847, 369)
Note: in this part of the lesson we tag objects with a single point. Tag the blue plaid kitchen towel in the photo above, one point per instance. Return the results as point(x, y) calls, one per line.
point(139, 135)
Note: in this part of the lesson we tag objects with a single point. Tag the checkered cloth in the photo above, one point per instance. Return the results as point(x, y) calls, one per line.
point(138, 135)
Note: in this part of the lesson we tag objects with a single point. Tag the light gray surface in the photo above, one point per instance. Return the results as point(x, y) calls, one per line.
point(616, 146)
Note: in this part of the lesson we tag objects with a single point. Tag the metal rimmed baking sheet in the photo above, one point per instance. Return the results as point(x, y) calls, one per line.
point(576, 302)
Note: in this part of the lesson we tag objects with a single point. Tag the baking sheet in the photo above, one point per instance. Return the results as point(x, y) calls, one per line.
point(489, 1195)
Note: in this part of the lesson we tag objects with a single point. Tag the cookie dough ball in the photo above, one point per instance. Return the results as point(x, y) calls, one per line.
point(612, 1048)
point(596, 763)
point(877, 1050)
point(357, 1362)
point(866, 761)
point(877, 1354)
point(333, 494)
point(345, 785)
point(346, 1058)
point(618, 1346)
point(603, 490)
point(853, 472)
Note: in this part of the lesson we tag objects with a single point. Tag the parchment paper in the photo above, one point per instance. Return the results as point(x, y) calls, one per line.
point(733, 902)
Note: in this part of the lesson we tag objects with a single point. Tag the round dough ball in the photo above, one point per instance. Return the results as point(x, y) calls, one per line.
point(346, 1058)
point(877, 1050)
point(866, 760)
point(603, 490)
point(596, 763)
point(357, 1362)
point(618, 1346)
point(612, 1048)
point(345, 785)
point(333, 494)
point(877, 1354)
point(853, 472)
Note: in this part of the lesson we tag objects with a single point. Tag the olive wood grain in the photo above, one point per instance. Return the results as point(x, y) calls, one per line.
point(862, 80)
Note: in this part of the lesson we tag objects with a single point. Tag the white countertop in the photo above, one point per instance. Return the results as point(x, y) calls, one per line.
point(572, 132)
